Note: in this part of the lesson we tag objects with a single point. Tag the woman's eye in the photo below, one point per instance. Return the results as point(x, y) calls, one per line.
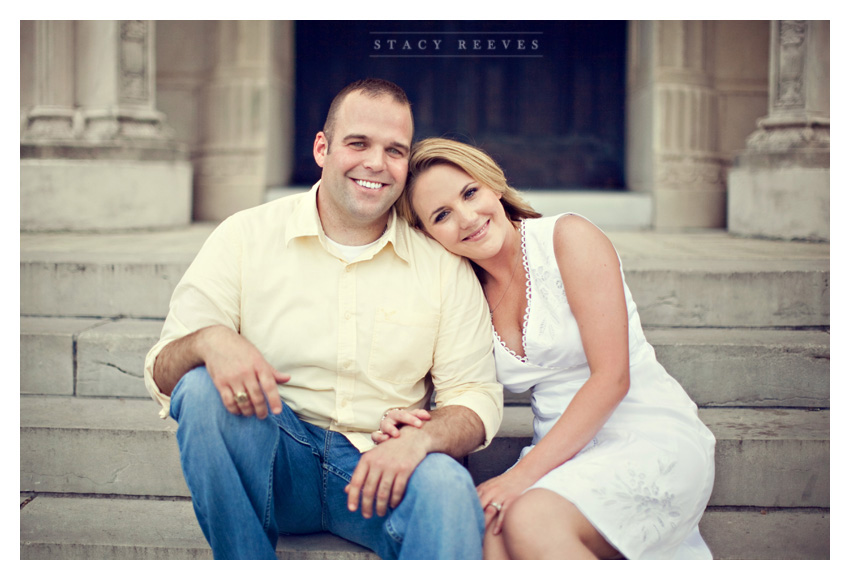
point(469, 192)
point(440, 217)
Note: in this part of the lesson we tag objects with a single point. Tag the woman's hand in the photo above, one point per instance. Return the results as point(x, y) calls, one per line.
point(498, 494)
point(394, 419)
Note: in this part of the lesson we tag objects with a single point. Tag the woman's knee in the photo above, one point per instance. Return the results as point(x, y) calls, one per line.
point(541, 523)
point(534, 512)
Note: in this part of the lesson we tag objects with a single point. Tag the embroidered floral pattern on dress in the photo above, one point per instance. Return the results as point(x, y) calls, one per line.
point(646, 509)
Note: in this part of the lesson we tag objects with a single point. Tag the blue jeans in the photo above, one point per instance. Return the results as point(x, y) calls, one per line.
point(252, 480)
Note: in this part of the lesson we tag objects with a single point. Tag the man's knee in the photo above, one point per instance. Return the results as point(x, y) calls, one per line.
point(444, 479)
point(194, 390)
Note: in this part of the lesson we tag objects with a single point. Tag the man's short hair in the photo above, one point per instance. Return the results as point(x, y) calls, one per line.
point(373, 88)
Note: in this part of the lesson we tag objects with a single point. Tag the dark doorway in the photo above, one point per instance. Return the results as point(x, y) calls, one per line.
point(545, 99)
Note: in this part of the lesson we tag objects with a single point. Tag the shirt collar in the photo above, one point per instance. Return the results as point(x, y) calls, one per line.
point(304, 222)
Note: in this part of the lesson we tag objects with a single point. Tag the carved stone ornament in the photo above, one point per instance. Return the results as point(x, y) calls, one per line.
point(135, 68)
point(688, 171)
point(792, 56)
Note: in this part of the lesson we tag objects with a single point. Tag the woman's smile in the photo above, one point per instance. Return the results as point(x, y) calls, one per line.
point(479, 233)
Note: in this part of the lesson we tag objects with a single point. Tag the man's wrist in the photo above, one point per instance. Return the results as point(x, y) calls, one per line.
point(420, 436)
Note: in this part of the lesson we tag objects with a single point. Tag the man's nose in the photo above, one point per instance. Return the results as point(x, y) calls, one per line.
point(374, 159)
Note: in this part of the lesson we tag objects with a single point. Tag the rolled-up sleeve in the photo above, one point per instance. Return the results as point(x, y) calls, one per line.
point(207, 295)
point(464, 372)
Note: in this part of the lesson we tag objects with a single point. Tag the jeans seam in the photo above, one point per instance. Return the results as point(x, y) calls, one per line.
point(325, 466)
point(391, 532)
point(267, 518)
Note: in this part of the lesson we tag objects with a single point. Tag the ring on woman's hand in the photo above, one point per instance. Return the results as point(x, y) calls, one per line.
point(388, 411)
point(241, 397)
point(496, 505)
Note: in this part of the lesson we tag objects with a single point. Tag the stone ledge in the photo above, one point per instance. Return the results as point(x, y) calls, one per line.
point(80, 528)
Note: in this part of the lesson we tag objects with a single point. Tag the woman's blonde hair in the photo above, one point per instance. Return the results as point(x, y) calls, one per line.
point(472, 161)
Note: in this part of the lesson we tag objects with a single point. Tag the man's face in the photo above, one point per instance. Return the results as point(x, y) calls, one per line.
point(365, 167)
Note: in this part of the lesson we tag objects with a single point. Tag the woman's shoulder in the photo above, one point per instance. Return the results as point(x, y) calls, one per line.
point(578, 242)
point(562, 226)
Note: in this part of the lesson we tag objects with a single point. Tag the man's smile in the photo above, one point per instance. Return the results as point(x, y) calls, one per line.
point(368, 184)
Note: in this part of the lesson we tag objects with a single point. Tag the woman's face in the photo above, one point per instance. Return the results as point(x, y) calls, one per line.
point(462, 214)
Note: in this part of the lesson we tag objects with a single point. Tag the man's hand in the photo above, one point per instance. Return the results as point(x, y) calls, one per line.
point(381, 476)
point(236, 366)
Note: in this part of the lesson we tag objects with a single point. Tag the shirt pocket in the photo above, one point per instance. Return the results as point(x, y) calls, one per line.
point(402, 345)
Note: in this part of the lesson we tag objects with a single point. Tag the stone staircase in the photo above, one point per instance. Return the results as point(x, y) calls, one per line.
point(743, 324)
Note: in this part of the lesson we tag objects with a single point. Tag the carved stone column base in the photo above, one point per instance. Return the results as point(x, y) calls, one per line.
point(782, 195)
point(690, 192)
point(95, 194)
point(779, 187)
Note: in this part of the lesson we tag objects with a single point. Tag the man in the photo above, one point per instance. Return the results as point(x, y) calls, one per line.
point(303, 321)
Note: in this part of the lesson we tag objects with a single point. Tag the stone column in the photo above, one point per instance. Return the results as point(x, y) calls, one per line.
point(246, 117)
point(95, 152)
point(779, 187)
point(672, 123)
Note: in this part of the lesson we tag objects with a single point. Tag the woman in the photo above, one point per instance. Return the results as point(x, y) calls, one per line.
point(620, 465)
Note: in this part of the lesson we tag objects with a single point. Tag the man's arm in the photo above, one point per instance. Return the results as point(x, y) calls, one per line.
point(235, 366)
point(381, 475)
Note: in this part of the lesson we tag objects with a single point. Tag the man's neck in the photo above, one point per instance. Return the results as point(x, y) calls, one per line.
point(349, 231)
point(357, 235)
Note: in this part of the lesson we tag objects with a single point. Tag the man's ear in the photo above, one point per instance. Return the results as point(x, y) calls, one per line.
point(320, 148)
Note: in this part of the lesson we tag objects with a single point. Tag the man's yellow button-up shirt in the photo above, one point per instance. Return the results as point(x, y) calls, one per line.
point(403, 320)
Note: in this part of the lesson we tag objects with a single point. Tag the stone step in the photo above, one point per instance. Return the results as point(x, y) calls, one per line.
point(702, 279)
point(764, 457)
point(718, 367)
point(81, 528)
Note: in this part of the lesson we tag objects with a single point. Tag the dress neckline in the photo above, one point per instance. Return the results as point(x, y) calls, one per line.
point(524, 329)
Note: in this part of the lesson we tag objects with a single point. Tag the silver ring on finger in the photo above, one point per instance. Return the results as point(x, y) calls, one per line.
point(387, 413)
point(241, 397)
point(496, 505)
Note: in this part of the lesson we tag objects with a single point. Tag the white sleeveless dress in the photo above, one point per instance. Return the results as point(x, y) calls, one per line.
point(645, 479)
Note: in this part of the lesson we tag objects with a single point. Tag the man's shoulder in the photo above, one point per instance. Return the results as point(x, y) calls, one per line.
point(430, 256)
point(422, 246)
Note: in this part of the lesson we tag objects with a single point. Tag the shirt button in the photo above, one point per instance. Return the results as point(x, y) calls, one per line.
point(348, 316)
